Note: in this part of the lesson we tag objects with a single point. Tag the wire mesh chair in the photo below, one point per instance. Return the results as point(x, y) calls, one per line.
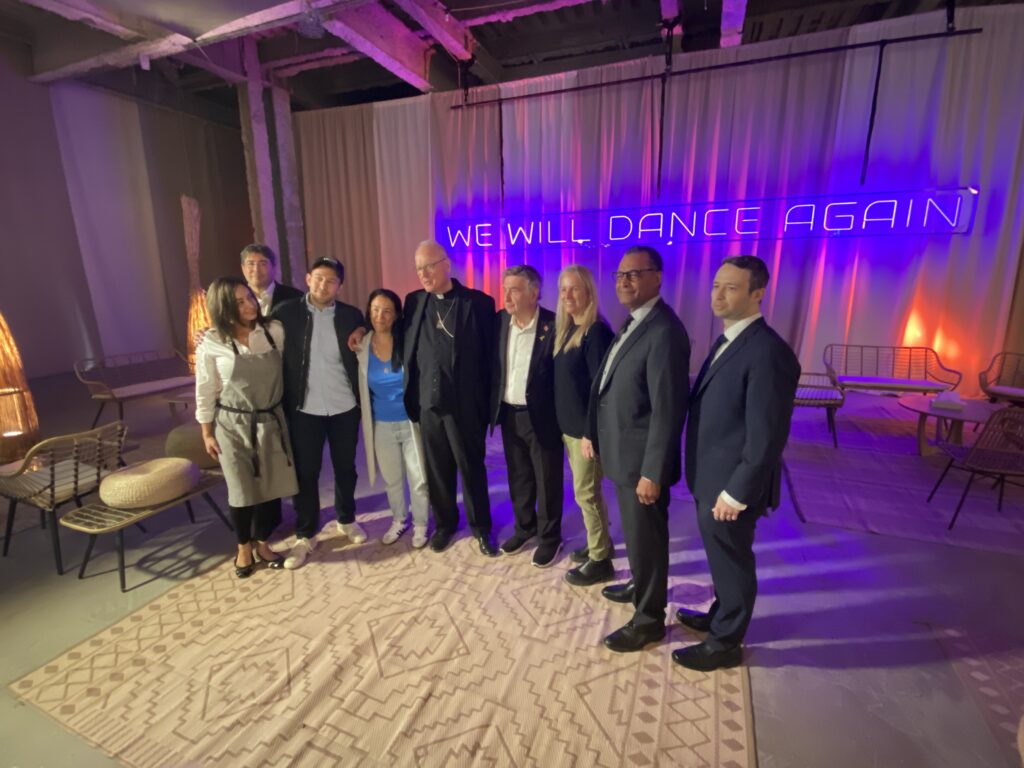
point(910, 369)
point(998, 453)
point(60, 470)
point(1004, 378)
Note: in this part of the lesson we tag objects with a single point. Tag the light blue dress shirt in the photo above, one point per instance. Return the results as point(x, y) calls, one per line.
point(328, 390)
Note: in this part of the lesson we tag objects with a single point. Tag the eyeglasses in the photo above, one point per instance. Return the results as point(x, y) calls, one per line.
point(428, 268)
point(632, 275)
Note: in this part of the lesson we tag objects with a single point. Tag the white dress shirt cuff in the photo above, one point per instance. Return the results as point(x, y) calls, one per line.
point(723, 496)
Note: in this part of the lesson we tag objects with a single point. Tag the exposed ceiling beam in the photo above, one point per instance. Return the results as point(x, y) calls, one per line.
point(524, 10)
point(161, 42)
point(119, 24)
point(223, 60)
point(374, 32)
point(319, 63)
point(733, 14)
point(454, 36)
point(302, 58)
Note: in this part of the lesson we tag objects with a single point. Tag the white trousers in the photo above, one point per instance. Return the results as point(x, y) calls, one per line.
point(398, 461)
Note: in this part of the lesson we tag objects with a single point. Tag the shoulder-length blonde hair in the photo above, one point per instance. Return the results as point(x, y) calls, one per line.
point(564, 323)
point(223, 308)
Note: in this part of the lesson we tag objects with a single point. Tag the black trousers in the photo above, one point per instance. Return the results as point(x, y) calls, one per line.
point(535, 476)
point(730, 550)
point(257, 521)
point(645, 529)
point(453, 444)
point(308, 434)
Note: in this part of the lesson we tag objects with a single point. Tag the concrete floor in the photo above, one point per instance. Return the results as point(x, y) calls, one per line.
point(845, 668)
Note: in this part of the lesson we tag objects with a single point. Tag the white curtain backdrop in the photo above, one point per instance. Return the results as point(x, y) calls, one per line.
point(949, 115)
point(108, 182)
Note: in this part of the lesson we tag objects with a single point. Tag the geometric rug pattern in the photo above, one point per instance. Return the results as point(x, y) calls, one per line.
point(992, 671)
point(379, 655)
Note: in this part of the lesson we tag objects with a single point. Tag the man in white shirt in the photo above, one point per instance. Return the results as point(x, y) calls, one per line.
point(523, 403)
point(739, 416)
point(259, 267)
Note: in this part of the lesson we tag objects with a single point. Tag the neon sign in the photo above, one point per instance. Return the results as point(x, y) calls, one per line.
point(926, 212)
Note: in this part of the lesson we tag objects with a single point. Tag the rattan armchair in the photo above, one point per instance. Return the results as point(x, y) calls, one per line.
point(61, 470)
point(1004, 378)
point(998, 453)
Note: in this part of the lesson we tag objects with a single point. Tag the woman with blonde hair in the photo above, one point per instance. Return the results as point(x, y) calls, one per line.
point(582, 339)
point(239, 385)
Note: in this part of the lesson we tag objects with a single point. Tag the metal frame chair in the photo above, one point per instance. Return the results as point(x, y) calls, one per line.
point(121, 378)
point(920, 363)
point(998, 453)
point(61, 470)
point(816, 390)
point(1005, 370)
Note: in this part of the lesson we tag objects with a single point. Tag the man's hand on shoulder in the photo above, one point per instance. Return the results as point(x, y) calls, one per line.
point(355, 339)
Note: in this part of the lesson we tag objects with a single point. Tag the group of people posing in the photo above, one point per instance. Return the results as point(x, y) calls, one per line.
point(281, 372)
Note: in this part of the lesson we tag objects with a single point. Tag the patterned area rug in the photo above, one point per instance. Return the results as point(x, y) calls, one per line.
point(993, 672)
point(876, 482)
point(376, 655)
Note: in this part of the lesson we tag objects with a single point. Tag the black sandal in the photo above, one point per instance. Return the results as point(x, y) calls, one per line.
point(244, 571)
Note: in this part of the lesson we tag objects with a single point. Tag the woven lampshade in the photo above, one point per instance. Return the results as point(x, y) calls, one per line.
point(198, 316)
point(19, 425)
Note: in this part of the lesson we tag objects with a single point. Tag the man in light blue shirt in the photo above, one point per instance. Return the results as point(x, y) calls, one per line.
point(322, 403)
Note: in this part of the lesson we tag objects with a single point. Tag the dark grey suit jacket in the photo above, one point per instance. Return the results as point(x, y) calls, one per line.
point(636, 420)
point(739, 420)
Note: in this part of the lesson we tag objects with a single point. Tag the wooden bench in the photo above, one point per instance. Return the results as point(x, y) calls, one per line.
point(816, 390)
point(98, 518)
point(121, 378)
point(888, 369)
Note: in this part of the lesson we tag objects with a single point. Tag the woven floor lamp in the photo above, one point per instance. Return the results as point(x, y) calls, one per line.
point(198, 315)
point(19, 425)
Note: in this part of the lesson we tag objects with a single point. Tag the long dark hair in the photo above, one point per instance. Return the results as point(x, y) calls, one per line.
point(220, 301)
point(396, 329)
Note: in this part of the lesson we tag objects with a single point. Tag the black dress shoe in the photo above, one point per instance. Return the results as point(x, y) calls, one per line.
point(515, 543)
point(244, 571)
point(581, 555)
point(545, 554)
point(632, 638)
point(591, 572)
point(441, 539)
point(705, 659)
point(698, 622)
point(620, 593)
point(486, 545)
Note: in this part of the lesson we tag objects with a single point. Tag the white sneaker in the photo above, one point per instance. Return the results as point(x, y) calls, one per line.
point(398, 527)
point(354, 531)
point(299, 554)
point(419, 536)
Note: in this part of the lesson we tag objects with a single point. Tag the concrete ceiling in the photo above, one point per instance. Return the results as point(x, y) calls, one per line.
point(333, 52)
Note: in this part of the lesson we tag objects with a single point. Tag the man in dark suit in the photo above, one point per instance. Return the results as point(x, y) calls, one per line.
point(321, 401)
point(523, 403)
point(259, 266)
point(740, 412)
point(635, 422)
point(448, 357)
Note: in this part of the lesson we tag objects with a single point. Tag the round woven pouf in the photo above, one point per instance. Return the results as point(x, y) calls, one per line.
point(149, 483)
point(186, 442)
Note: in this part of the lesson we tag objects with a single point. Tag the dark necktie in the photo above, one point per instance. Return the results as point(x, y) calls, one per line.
point(710, 359)
point(625, 327)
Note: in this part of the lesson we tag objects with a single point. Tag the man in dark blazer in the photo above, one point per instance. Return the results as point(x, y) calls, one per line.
point(523, 403)
point(321, 402)
point(259, 267)
point(635, 423)
point(740, 411)
point(448, 358)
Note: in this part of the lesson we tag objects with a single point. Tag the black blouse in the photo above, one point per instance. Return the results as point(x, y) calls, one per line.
point(575, 371)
